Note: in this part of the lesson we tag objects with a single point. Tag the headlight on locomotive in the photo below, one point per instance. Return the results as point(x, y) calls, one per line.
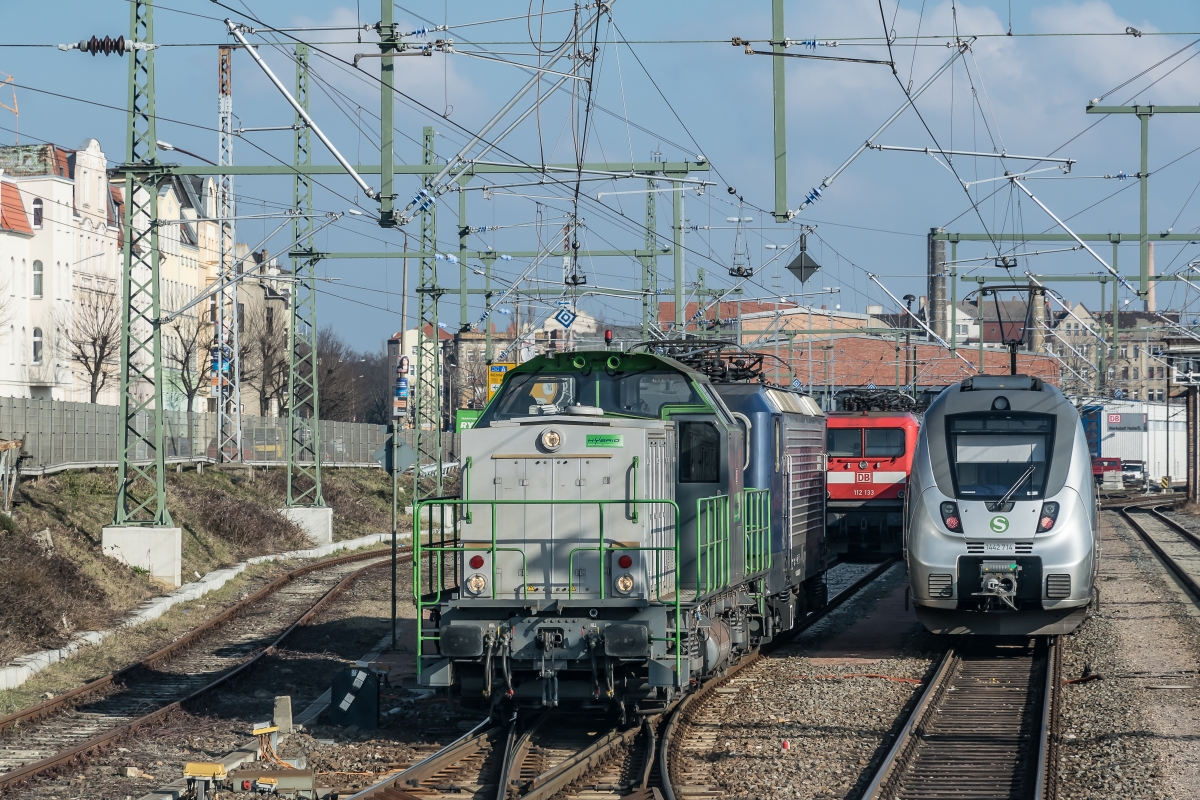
point(624, 583)
point(551, 440)
point(476, 584)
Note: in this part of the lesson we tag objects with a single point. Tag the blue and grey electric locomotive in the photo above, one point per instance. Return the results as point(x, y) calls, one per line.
point(1000, 519)
point(615, 541)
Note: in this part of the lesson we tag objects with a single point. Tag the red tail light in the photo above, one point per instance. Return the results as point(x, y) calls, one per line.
point(625, 561)
point(476, 562)
point(1048, 517)
point(951, 518)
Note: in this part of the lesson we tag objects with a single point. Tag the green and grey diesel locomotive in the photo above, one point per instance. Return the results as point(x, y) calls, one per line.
point(627, 526)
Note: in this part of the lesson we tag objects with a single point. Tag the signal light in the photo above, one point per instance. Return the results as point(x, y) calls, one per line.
point(476, 562)
point(1048, 517)
point(951, 518)
point(625, 562)
point(608, 338)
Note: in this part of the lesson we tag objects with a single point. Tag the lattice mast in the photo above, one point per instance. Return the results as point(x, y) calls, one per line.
point(427, 417)
point(225, 350)
point(303, 407)
point(141, 471)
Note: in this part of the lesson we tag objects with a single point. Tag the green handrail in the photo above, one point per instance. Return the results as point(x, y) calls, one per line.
point(757, 522)
point(712, 544)
point(419, 549)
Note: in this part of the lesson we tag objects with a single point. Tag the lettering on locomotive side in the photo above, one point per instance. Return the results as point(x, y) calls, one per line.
point(862, 477)
point(605, 440)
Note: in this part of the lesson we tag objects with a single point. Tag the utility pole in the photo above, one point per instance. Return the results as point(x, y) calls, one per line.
point(142, 532)
point(909, 375)
point(304, 432)
point(650, 264)
point(677, 249)
point(227, 352)
point(427, 417)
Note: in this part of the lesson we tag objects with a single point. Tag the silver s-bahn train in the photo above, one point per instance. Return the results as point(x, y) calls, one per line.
point(1000, 519)
point(616, 541)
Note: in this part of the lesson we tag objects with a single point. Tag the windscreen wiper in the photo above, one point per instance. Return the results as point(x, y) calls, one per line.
point(1009, 494)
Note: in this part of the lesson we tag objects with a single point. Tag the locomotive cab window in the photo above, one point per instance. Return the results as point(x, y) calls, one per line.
point(699, 452)
point(885, 442)
point(845, 442)
point(991, 455)
point(643, 393)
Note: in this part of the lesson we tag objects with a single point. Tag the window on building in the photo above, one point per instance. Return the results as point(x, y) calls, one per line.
point(37, 213)
point(241, 311)
point(1136, 351)
point(1124, 352)
point(1124, 373)
point(1160, 396)
point(270, 319)
point(1135, 373)
point(1135, 394)
point(38, 275)
point(37, 345)
point(1160, 373)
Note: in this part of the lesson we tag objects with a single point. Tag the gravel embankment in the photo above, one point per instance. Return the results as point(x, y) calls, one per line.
point(814, 694)
point(1135, 733)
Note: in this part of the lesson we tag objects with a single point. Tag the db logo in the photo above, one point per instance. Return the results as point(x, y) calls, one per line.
point(862, 477)
point(1114, 418)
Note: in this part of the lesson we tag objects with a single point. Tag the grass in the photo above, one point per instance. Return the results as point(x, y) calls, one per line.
point(226, 515)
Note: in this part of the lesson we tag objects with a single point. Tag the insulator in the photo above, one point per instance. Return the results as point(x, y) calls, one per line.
point(505, 257)
point(106, 46)
point(813, 196)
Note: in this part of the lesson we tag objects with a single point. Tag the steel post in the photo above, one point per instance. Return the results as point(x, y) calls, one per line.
point(677, 250)
point(141, 457)
point(779, 91)
point(650, 265)
point(226, 347)
point(303, 408)
point(427, 417)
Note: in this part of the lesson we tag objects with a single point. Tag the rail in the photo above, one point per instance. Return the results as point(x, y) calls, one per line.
point(429, 557)
point(979, 693)
point(1177, 569)
point(668, 744)
point(66, 756)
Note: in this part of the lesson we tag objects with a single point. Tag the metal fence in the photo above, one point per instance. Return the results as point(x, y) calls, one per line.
point(60, 435)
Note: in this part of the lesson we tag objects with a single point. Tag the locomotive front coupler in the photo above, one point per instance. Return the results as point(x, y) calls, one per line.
point(999, 580)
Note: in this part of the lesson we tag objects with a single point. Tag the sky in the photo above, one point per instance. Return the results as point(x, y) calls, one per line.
point(666, 80)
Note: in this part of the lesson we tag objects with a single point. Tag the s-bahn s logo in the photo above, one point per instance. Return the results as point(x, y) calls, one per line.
point(999, 524)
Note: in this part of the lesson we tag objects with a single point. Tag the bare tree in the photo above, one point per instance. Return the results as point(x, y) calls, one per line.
point(186, 353)
point(264, 344)
point(336, 365)
point(93, 338)
point(375, 392)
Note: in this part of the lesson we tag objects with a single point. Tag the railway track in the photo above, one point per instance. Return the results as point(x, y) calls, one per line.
point(53, 734)
point(983, 728)
point(1175, 545)
point(689, 734)
point(557, 755)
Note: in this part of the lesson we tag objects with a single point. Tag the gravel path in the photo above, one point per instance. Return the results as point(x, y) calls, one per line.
point(837, 726)
point(1136, 732)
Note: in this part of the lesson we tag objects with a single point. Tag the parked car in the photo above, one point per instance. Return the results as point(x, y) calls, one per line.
point(1133, 472)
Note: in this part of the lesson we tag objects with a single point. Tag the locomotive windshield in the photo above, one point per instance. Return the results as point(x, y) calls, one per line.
point(635, 394)
point(991, 454)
